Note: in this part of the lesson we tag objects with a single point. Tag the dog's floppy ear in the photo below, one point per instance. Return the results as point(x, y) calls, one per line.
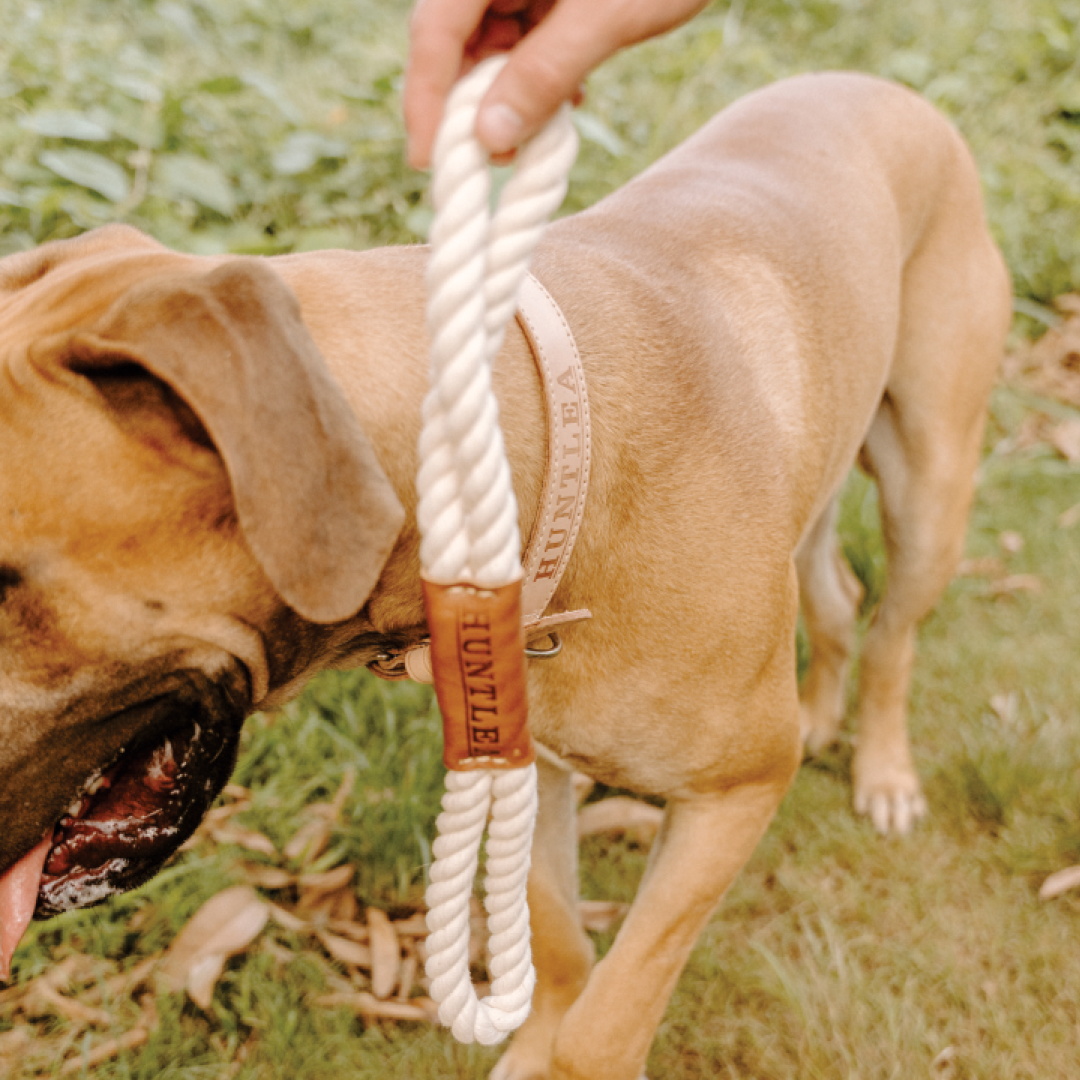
point(314, 504)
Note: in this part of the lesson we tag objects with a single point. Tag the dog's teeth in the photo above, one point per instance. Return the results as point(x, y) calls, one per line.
point(75, 808)
point(96, 786)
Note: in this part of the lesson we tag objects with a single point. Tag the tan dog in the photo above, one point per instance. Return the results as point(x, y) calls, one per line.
point(197, 515)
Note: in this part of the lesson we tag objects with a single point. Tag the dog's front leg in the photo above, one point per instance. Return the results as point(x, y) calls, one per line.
point(562, 952)
point(702, 845)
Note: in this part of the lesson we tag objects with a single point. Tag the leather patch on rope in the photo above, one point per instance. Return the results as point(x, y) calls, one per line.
point(566, 482)
point(478, 660)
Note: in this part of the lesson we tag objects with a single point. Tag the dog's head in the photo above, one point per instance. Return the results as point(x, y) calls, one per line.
point(180, 478)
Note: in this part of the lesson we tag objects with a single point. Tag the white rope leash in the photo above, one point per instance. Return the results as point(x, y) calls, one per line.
point(467, 516)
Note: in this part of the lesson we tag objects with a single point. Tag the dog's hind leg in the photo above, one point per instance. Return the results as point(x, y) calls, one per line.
point(923, 449)
point(562, 952)
point(829, 595)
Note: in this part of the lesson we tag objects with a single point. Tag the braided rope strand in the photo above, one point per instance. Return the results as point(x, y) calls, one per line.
point(468, 521)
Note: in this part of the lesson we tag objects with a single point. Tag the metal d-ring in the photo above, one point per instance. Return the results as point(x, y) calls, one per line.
point(546, 654)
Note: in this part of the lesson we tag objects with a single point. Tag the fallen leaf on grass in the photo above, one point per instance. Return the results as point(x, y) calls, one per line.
point(1013, 583)
point(329, 881)
point(312, 838)
point(288, 921)
point(1065, 439)
point(308, 842)
point(104, 1052)
point(248, 839)
point(620, 815)
point(1069, 517)
point(385, 953)
point(45, 997)
point(267, 877)
point(372, 1008)
point(1059, 883)
point(346, 951)
point(408, 976)
point(413, 926)
point(1051, 366)
point(224, 926)
point(600, 916)
point(14, 1045)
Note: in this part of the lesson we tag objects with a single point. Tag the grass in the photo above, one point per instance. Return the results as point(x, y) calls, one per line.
point(266, 125)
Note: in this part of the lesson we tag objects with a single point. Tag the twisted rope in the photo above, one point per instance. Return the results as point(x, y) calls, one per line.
point(467, 516)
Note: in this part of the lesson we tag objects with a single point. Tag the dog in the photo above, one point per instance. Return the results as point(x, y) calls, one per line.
point(207, 494)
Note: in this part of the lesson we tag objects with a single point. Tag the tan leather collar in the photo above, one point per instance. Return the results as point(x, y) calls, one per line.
point(566, 484)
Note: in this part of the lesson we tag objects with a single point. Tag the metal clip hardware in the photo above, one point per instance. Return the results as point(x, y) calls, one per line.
point(549, 653)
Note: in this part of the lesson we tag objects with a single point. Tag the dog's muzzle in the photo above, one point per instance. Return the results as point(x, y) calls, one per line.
point(132, 812)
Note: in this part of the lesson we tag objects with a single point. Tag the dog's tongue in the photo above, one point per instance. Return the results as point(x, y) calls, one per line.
point(18, 898)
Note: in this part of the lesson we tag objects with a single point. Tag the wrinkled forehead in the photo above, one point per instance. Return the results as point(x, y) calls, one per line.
point(76, 291)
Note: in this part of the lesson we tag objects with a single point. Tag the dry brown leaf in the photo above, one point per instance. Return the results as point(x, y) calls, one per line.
point(1069, 517)
point(280, 953)
point(344, 907)
point(224, 926)
point(348, 782)
point(124, 984)
point(308, 842)
point(248, 839)
point(408, 977)
point(413, 926)
point(288, 921)
point(346, 951)
point(1051, 366)
point(349, 928)
point(202, 978)
point(620, 815)
point(267, 877)
point(77, 968)
point(1059, 883)
point(1013, 583)
point(71, 1009)
point(1065, 439)
point(105, 1052)
point(14, 1045)
point(385, 953)
point(371, 1008)
point(329, 881)
point(601, 915)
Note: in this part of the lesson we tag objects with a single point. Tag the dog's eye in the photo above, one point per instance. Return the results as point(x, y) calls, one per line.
point(10, 578)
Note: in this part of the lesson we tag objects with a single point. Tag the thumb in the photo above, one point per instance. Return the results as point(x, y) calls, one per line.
point(545, 69)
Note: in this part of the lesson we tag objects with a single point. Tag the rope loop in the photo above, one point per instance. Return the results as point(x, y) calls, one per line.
point(467, 514)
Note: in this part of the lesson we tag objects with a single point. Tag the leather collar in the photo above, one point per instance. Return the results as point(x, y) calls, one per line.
point(566, 483)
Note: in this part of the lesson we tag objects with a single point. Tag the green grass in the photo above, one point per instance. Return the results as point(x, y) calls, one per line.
point(273, 125)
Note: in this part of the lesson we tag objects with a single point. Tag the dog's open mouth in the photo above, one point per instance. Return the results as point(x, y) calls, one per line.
point(129, 820)
point(131, 816)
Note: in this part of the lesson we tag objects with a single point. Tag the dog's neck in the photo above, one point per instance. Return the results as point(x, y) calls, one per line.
point(378, 297)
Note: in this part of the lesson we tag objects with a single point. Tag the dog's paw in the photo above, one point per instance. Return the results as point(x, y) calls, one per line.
point(893, 801)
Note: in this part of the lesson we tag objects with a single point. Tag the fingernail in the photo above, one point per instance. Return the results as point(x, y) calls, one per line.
point(499, 128)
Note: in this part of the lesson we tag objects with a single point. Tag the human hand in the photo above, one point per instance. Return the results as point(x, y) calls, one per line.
point(553, 45)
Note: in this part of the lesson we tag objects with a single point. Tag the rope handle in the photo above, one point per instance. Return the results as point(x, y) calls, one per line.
point(467, 515)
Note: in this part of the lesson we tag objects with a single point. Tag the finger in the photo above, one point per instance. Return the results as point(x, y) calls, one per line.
point(545, 69)
point(438, 34)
